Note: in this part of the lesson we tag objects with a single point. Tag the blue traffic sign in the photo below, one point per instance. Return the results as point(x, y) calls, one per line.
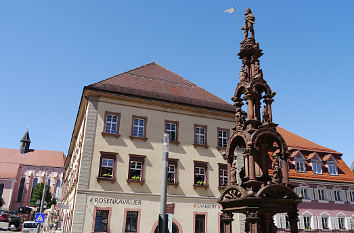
point(39, 218)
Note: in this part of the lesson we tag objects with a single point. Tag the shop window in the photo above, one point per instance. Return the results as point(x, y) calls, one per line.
point(307, 222)
point(131, 221)
point(199, 223)
point(223, 175)
point(102, 220)
point(20, 189)
point(200, 173)
point(136, 168)
point(223, 136)
point(172, 171)
point(139, 127)
point(341, 222)
point(200, 135)
point(111, 124)
point(324, 222)
point(171, 127)
point(107, 165)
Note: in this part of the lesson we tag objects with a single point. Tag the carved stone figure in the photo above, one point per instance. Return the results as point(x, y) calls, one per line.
point(258, 73)
point(243, 74)
point(233, 172)
point(265, 114)
point(249, 21)
point(276, 178)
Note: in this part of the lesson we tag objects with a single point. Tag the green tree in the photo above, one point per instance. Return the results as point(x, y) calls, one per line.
point(1, 202)
point(37, 196)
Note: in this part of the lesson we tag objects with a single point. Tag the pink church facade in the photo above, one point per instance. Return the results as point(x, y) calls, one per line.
point(20, 171)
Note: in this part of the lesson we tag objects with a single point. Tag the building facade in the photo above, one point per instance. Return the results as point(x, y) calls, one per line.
point(112, 178)
point(21, 169)
point(326, 184)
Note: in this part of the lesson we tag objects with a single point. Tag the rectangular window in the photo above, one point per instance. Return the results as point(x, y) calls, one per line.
point(131, 221)
point(351, 196)
point(139, 126)
point(300, 166)
point(341, 224)
point(307, 222)
point(222, 175)
point(304, 193)
point(332, 169)
point(316, 168)
point(200, 173)
point(172, 171)
point(102, 220)
point(338, 195)
point(200, 134)
point(136, 168)
point(107, 165)
point(324, 221)
point(171, 127)
point(322, 195)
point(287, 222)
point(223, 136)
point(111, 124)
point(199, 223)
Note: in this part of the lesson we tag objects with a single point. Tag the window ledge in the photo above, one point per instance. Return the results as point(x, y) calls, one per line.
point(110, 135)
point(172, 184)
point(221, 148)
point(200, 186)
point(138, 138)
point(136, 181)
point(306, 200)
point(322, 201)
point(200, 145)
point(175, 142)
point(339, 202)
point(99, 178)
point(222, 187)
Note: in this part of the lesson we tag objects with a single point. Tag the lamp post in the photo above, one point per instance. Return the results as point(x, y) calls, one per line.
point(162, 216)
point(42, 202)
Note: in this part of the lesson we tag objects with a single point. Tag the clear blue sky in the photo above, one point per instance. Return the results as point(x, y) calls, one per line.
point(50, 49)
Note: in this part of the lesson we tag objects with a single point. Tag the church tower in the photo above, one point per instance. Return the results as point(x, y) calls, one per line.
point(25, 143)
point(258, 188)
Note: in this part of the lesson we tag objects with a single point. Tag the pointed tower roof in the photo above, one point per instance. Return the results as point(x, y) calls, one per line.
point(154, 81)
point(26, 137)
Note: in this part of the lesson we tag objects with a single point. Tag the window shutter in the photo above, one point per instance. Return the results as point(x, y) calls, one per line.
point(347, 223)
point(326, 194)
point(316, 193)
point(282, 220)
point(334, 223)
point(319, 220)
point(302, 224)
point(344, 196)
point(277, 221)
point(311, 196)
point(331, 195)
point(313, 222)
point(348, 195)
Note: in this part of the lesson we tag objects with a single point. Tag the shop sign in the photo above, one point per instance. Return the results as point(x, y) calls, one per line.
point(207, 206)
point(114, 201)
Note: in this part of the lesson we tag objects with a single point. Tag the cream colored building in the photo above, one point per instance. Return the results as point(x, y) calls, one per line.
point(113, 169)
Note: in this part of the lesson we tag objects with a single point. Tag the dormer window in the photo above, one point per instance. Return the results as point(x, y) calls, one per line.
point(299, 161)
point(300, 166)
point(316, 163)
point(332, 169)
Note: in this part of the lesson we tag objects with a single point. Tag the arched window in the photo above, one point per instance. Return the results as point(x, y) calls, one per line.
point(1, 189)
point(34, 184)
point(49, 180)
point(20, 189)
point(57, 185)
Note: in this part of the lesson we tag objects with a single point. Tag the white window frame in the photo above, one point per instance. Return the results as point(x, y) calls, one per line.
point(300, 165)
point(223, 176)
point(324, 195)
point(340, 216)
point(338, 195)
point(200, 171)
point(134, 165)
point(222, 138)
point(309, 217)
point(138, 126)
point(199, 136)
point(350, 195)
point(112, 124)
point(169, 130)
point(316, 167)
point(172, 171)
point(325, 219)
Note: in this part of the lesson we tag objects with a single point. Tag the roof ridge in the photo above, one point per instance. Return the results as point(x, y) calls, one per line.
point(175, 73)
point(122, 73)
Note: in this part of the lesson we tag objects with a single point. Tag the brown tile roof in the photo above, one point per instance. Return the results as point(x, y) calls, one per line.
point(8, 170)
point(297, 142)
point(34, 157)
point(156, 82)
